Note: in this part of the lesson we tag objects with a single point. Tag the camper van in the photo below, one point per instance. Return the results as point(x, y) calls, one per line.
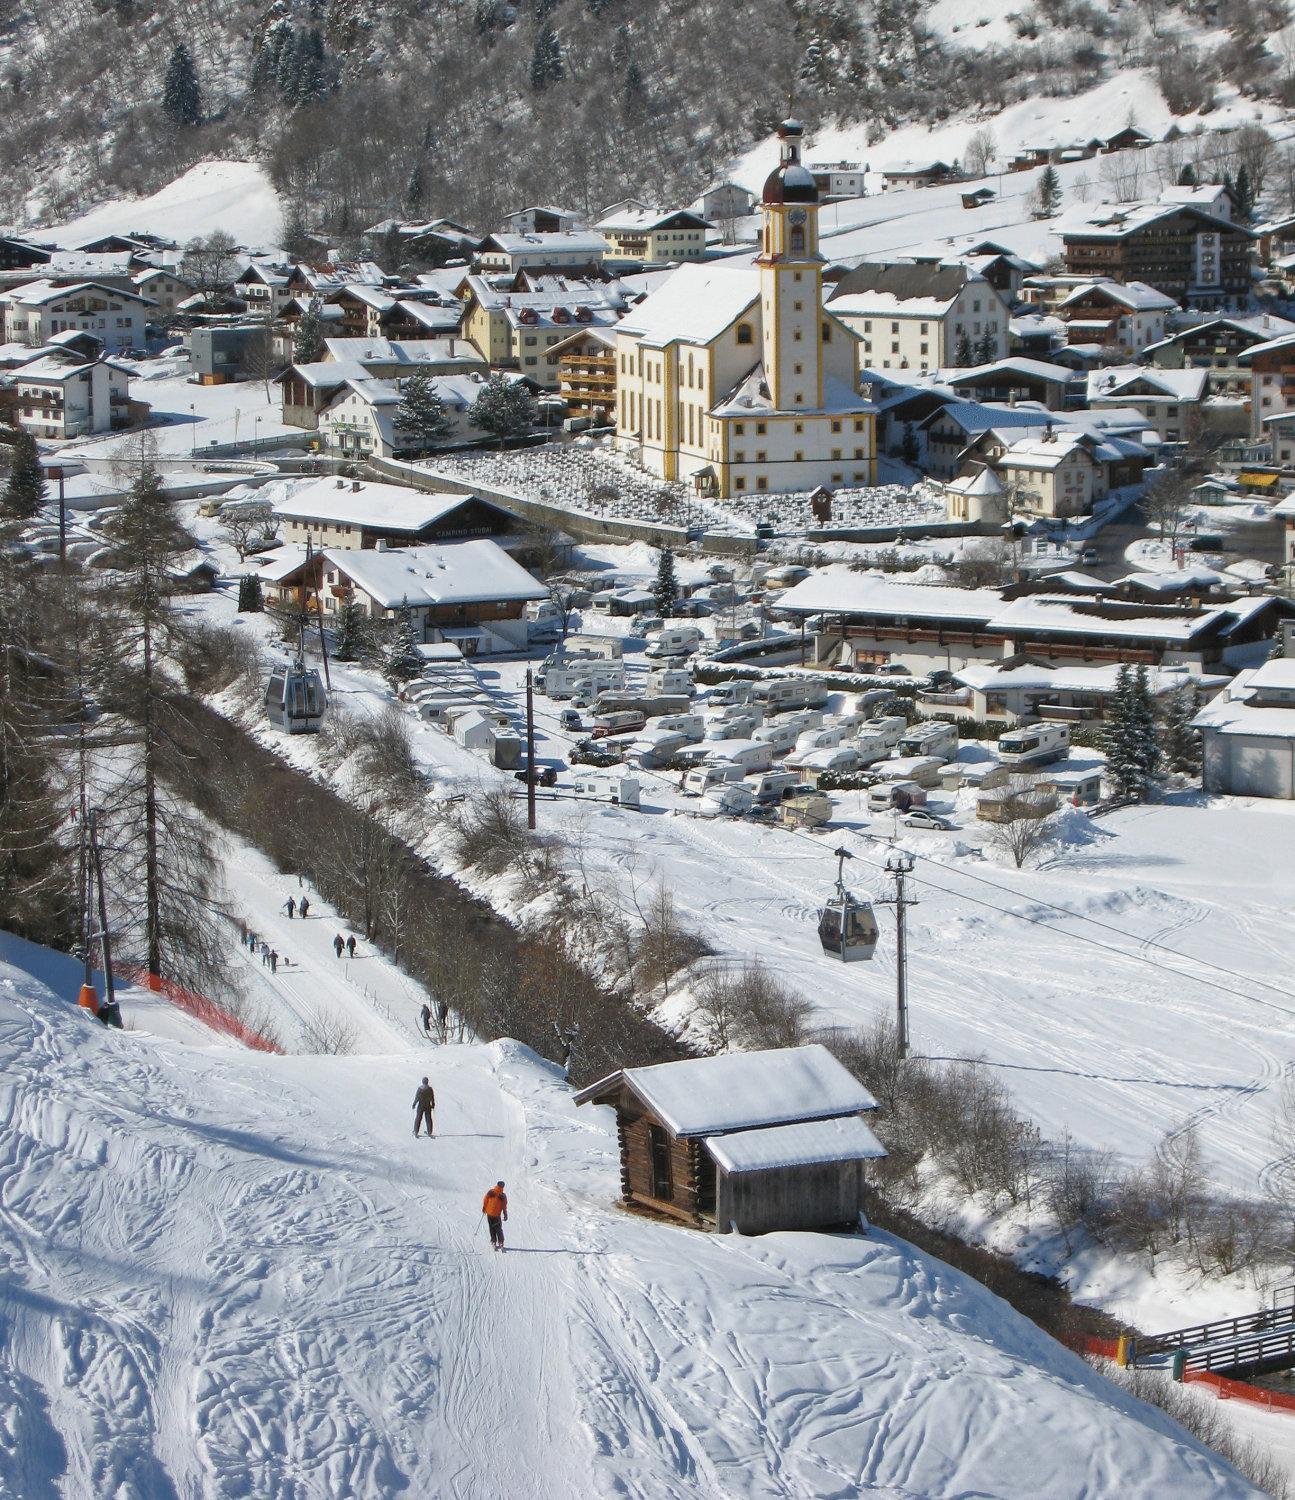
point(728, 693)
point(617, 723)
point(779, 737)
point(889, 729)
point(607, 786)
point(543, 620)
point(835, 760)
point(1036, 745)
point(731, 800)
point(931, 738)
point(691, 726)
point(890, 796)
point(675, 640)
point(801, 719)
point(773, 786)
point(608, 647)
point(650, 705)
point(923, 769)
point(741, 726)
point(657, 748)
point(670, 680)
point(874, 700)
point(700, 779)
point(751, 755)
point(581, 677)
point(825, 738)
point(789, 692)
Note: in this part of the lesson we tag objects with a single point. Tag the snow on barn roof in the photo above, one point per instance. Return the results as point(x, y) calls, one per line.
point(707, 1096)
point(474, 572)
point(695, 305)
point(1048, 612)
point(389, 507)
point(802, 1145)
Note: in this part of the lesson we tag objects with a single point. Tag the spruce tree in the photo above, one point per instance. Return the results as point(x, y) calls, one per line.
point(251, 600)
point(1245, 193)
point(401, 660)
point(415, 189)
point(964, 355)
point(908, 450)
point(504, 408)
point(666, 588)
point(1180, 744)
point(1118, 737)
point(985, 349)
point(353, 640)
point(1146, 737)
point(1049, 191)
point(181, 96)
point(421, 414)
point(25, 491)
point(308, 340)
point(546, 59)
point(1187, 177)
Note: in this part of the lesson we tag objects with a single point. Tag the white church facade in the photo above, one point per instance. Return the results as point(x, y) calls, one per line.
point(735, 376)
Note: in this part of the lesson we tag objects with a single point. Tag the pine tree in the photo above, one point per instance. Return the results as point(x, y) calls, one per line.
point(1187, 177)
point(634, 96)
point(353, 638)
point(421, 414)
point(401, 660)
point(25, 491)
point(1245, 193)
point(985, 349)
point(964, 355)
point(1118, 737)
point(181, 96)
point(1049, 191)
point(308, 340)
point(1180, 744)
point(415, 190)
point(504, 408)
point(666, 589)
point(1146, 737)
point(251, 600)
point(546, 59)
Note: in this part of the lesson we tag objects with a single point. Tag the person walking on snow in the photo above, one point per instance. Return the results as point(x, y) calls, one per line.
point(338, 945)
point(426, 1016)
point(304, 907)
point(424, 1104)
point(350, 945)
point(495, 1207)
point(290, 906)
point(274, 960)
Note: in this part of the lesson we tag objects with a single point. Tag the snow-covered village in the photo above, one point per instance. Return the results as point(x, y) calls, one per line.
point(647, 750)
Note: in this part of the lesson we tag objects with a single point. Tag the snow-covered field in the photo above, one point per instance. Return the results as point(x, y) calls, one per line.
point(235, 196)
point(225, 1273)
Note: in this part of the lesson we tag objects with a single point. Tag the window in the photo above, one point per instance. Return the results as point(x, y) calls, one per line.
point(858, 424)
point(858, 453)
point(836, 455)
point(796, 276)
point(827, 333)
point(739, 429)
point(740, 483)
point(760, 428)
point(739, 456)
point(797, 369)
point(837, 478)
point(744, 335)
point(798, 307)
point(925, 328)
point(662, 1166)
point(761, 456)
point(762, 483)
point(795, 335)
point(867, 325)
point(836, 426)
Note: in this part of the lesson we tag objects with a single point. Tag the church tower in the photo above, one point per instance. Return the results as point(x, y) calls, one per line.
point(791, 279)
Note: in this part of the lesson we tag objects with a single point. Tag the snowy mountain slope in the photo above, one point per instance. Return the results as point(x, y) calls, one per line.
point(231, 1274)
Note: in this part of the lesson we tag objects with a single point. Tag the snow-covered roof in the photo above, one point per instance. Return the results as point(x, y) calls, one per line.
point(751, 394)
point(1278, 674)
point(987, 677)
point(707, 1096)
point(881, 304)
point(1233, 713)
point(1271, 346)
point(415, 353)
point(1015, 364)
point(1123, 381)
point(837, 590)
point(279, 564)
point(983, 482)
point(53, 369)
point(1048, 613)
point(379, 507)
point(643, 220)
point(40, 293)
point(1136, 296)
point(562, 242)
point(802, 1145)
point(1043, 452)
point(474, 572)
point(1263, 326)
point(1115, 221)
point(695, 304)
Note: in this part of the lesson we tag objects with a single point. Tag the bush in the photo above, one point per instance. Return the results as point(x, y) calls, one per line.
point(750, 1008)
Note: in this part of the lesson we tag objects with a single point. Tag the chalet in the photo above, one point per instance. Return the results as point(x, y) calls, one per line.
point(1179, 249)
point(951, 430)
point(542, 219)
point(572, 250)
point(1218, 198)
point(36, 311)
point(1272, 380)
point(587, 373)
point(21, 255)
point(359, 421)
point(469, 593)
point(390, 359)
point(1275, 239)
point(353, 513)
point(750, 1142)
point(1128, 139)
point(654, 237)
point(1217, 345)
point(1248, 734)
point(267, 288)
point(58, 397)
point(307, 389)
point(432, 241)
point(1019, 689)
point(69, 266)
point(1121, 317)
point(836, 180)
point(1056, 474)
point(919, 174)
point(165, 286)
point(1171, 400)
point(1015, 379)
point(726, 201)
point(979, 198)
point(914, 317)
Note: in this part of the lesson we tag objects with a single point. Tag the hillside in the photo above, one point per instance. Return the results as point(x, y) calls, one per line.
point(360, 108)
point(225, 1273)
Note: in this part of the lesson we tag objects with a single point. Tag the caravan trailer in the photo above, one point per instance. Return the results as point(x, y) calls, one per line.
point(931, 738)
point(675, 640)
point(1034, 745)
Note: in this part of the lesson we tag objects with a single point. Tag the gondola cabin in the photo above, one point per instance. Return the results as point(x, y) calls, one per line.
point(749, 1142)
point(295, 699)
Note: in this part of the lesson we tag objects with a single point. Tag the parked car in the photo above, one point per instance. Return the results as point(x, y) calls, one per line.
point(1090, 557)
point(940, 678)
point(889, 669)
point(570, 719)
point(920, 817)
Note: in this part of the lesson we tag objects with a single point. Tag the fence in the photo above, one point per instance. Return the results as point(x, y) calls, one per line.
point(1221, 1331)
point(199, 1007)
point(1239, 1390)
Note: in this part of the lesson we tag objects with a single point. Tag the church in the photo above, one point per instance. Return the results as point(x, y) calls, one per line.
point(735, 377)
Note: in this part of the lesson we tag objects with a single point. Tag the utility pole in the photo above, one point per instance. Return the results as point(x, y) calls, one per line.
point(530, 750)
point(109, 1011)
point(900, 865)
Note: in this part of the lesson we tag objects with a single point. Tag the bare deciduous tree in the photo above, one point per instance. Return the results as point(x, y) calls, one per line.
point(243, 527)
point(1025, 825)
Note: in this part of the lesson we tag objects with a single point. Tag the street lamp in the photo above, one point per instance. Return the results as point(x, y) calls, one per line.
point(193, 417)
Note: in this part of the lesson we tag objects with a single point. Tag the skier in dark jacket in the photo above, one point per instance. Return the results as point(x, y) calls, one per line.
point(424, 1104)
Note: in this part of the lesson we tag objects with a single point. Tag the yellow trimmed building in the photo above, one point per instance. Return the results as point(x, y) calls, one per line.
point(737, 377)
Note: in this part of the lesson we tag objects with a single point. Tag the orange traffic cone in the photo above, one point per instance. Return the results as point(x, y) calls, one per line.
point(88, 999)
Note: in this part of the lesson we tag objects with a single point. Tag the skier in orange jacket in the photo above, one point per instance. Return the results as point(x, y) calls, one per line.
point(495, 1207)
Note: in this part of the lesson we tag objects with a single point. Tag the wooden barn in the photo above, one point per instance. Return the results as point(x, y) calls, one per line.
point(750, 1141)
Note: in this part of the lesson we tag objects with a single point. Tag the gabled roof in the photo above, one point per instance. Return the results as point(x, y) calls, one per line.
point(645, 220)
point(1116, 221)
point(1135, 296)
point(694, 305)
point(475, 572)
point(1125, 380)
point(375, 507)
point(1264, 328)
point(40, 293)
point(1015, 364)
point(568, 242)
point(741, 1091)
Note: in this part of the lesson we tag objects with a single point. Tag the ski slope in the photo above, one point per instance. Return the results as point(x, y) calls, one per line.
point(231, 1274)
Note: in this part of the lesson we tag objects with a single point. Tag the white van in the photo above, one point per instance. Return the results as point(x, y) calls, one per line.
point(700, 779)
point(801, 719)
point(739, 727)
point(870, 748)
point(931, 738)
point(789, 692)
point(618, 723)
point(1035, 745)
point(779, 737)
point(728, 801)
point(736, 691)
point(691, 726)
point(773, 786)
point(543, 620)
point(751, 755)
point(607, 786)
point(890, 730)
point(888, 794)
point(675, 640)
point(608, 647)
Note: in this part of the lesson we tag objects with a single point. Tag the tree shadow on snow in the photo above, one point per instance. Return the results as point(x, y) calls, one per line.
point(258, 1145)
